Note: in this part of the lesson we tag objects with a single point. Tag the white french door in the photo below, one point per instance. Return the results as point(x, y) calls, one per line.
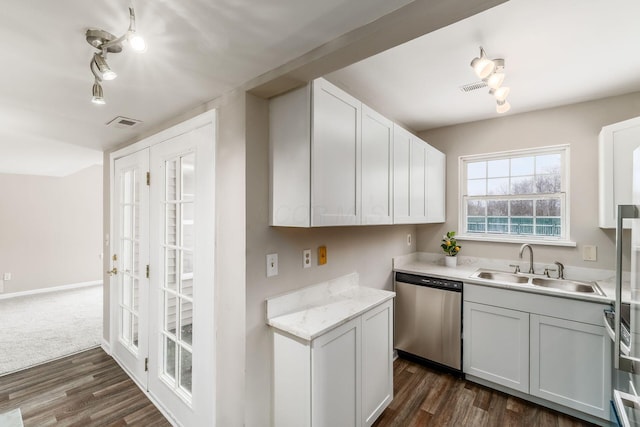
point(182, 242)
point(179, 329)
point(129, 293)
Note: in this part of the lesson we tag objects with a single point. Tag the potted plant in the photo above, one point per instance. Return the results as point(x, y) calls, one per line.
point(451, 248)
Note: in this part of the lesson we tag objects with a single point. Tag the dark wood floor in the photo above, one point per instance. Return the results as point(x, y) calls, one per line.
point(86, 389)
point(425, 397)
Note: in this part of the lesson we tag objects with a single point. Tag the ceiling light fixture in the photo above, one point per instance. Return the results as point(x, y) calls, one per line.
point(482, 65)
point(491, 71)
point(98, 97)
point(106, 43)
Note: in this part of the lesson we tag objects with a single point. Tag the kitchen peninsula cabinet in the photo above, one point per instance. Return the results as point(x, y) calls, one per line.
point(333, 359)
point(332, 163)
point(550, 348)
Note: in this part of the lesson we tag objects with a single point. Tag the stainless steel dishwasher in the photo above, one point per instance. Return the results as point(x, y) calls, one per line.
point(428, 320)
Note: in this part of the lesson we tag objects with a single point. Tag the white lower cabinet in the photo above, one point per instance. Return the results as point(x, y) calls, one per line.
point(553, 348)
point(571, 364)
point(496, 345)
point(341, 378)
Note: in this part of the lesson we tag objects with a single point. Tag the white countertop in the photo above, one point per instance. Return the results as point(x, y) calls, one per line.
point(427, 264)
point(310, 312)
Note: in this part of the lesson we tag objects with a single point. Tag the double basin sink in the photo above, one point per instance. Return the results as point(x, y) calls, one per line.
point(543, 282)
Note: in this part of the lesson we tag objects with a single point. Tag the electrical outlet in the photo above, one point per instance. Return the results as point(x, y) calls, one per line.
point(272, 265)
point(306, 258)
point(6, 277)
point(409, 239)
point(589, 253)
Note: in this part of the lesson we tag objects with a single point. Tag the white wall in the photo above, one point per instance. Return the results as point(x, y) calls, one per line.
point(50, 229)
point(577, 125)
point(366, 250)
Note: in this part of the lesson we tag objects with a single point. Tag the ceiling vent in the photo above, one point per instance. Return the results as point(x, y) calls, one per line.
point(473, 86)
point(124, 123)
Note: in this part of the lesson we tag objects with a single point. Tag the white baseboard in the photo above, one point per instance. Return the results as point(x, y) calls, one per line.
point(106, 346)
point(52, 289)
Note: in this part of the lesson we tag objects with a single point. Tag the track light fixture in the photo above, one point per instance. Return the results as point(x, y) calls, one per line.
point(491, 72)
point(98, 97)
point(106, 43)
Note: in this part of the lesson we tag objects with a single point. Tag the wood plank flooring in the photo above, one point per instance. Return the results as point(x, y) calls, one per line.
point(85, 389)
point(426, 397)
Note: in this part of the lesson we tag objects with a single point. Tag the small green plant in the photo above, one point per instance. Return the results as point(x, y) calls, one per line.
point(450, 244)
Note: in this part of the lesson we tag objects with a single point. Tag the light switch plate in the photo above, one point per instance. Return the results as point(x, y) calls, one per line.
point(272, 265)
point(589, 253)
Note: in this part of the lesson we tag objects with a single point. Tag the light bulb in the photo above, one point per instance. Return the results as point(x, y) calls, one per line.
point(495, 80)
point(503, 107)
point(98, 97)
point(501, 93)
point(483, 66)
point(109, 75)
point(137, 43)
point(103, 67)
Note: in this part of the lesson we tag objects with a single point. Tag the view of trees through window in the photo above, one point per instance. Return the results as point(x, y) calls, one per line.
point(520, 195)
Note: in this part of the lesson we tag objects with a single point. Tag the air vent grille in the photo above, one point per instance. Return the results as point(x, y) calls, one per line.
point(124, 123)
point(473, 86)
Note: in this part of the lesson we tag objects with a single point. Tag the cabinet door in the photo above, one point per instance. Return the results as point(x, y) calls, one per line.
point(377, 361)
point(377, 163)
point(435, 185)
point(336, 377)
point(571, 364)
point(401, 175)
point(418, 182)
point(335, 156)
point(496, 345)
point(616, 146)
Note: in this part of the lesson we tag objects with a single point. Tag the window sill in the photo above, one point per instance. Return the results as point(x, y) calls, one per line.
point(517, 240)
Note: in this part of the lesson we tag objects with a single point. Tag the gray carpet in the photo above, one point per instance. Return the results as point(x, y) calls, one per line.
point(11, 419)
point(43, 327)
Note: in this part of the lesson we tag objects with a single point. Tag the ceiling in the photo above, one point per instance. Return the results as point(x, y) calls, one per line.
point(556, 53)
point(197, 51)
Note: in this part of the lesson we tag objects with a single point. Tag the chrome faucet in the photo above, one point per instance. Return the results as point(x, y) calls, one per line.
point(522, 248)
point(560, 269)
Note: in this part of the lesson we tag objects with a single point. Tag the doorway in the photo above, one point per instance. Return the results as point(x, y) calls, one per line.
point(162, 283)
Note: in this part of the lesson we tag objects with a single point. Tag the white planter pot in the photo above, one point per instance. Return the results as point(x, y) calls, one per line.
point(450, 261)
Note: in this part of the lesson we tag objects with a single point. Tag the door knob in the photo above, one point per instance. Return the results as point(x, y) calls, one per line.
point(113, 272)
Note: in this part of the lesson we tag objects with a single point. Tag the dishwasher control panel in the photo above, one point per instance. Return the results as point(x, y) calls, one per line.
point(433, 282)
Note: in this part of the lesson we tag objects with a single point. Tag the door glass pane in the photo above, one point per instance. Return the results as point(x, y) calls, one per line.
point(127, 256)
point(171, 181)
point(186, 321)
point(136, 302)
point(127, 291)
point(185, 369)
point(170, 358)
point(188, 176)
point(127, 186)
point(170, 268)
point(126, 326)
point(171, 309)
point(170, 235)
point(127, 222)
point(134, 328)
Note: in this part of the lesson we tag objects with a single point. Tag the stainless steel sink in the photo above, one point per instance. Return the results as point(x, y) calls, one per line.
point(568, 285)
point(501, 277)
point(544, 282)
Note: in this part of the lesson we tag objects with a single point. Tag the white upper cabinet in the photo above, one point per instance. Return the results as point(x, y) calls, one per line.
point(335, 154)
point(377, 168)
point(418, 173)
point(333, 162)
point(616, 146)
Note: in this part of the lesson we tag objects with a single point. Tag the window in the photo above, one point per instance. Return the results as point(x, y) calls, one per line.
point(517, 195)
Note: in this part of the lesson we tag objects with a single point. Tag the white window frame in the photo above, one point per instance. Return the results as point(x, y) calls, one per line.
point(563, 240)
